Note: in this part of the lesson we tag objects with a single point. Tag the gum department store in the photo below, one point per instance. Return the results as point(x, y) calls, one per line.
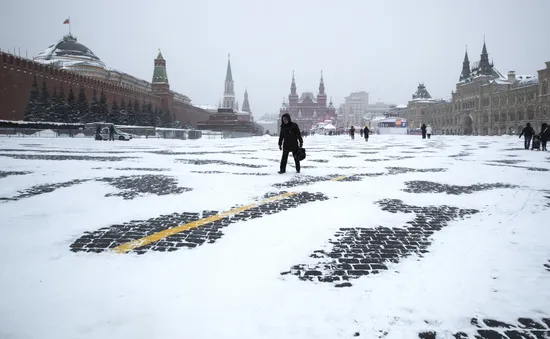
point(484, 102)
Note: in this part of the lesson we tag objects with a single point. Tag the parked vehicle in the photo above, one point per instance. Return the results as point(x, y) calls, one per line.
point(104, 131)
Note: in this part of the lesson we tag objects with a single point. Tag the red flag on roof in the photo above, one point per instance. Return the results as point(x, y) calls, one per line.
point(67, 21)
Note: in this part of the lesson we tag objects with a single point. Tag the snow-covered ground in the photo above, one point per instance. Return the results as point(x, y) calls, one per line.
point(385, 239)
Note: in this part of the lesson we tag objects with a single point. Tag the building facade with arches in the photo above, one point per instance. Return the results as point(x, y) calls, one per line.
point(485, 102)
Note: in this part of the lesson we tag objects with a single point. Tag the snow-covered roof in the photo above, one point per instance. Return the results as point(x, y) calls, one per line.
point(401, 106)
point(69, 52)
point(208, 107)
point(527, 80)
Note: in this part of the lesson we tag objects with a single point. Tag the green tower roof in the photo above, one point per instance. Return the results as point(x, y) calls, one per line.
point(159, 74)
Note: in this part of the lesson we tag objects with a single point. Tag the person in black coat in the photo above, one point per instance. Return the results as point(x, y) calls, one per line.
point(423, 129)
point(290, 140)
point(366, 133)
point(544, 135)
point(111, 133)
point(528, 133)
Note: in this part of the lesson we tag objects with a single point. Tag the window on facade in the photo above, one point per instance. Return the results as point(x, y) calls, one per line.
point(545, 87)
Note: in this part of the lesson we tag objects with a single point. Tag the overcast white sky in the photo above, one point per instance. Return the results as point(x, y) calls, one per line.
point(384, 47)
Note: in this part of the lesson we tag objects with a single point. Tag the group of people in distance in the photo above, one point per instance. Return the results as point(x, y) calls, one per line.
point(529, 134)
point(364, 132)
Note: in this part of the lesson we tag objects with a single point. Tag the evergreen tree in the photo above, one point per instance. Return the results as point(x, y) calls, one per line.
point(123, 117)
point(71, 113)
point(175, 122)
point(165, 118)
point(82, 106)
point(93, 114)
point(114, 115)
point(54, 107)
point(130, 114)
point(45, 104)
point(152, 116)
point(34, 102)
point(103, 108)
point(61, 107)
point(140, 121)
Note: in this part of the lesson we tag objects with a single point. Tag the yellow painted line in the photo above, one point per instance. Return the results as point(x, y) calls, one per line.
point(127, 247)
point(342, 177)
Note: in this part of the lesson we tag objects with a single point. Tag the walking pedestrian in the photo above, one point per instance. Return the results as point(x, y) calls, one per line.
point(290, 140)
point(352, 132)
point(366, 132)
point(527, 133)
point(423, 129)
point(429, 131)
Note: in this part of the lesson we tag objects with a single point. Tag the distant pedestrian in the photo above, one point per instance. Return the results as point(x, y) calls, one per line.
point(112, 133)
point(528, 133)
point(423, 129)
point(544, 135)
point(366, 132)
point(361, 132)
point(290, 140)
point(352, 132)
point(429, 131)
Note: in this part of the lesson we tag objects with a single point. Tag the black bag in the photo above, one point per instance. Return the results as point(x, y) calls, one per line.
point(301, 154)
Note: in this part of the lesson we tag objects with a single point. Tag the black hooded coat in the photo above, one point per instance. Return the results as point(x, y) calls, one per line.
point(290, 137)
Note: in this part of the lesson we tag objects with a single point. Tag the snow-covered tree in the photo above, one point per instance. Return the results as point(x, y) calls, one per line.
point(34, 103)
point(114, 114)
point(60, 112)
point(130, 114)
point(103, 108)
point(71, 114)
point(151, 115)
point(123, 116)
point(94, 114)
point(82, 105)
point(175, 122)
point(165, 118)
point(45, 104)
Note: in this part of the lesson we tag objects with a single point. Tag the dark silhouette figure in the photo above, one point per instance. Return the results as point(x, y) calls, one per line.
point(352, 132)
point(423, 128)
point(361, 132)
point(366, 133)
point(544, 135)
point(290, 140)
point(111, 133)
point(528, 133)
point(98, 133)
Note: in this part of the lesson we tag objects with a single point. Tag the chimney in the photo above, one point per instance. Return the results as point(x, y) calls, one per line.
point(512, 77)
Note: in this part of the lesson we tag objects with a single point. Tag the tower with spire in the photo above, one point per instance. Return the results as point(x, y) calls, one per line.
point(483, 67)
point(160, 77)
point(322, 96)
point(246, 104)
point(229, 91)
point(465, 67)
point(160, 86)
point(293, 96)
point(308, 109)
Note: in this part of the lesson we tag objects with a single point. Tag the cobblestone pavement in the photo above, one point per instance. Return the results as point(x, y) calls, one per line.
point(189, 237)
point(130, 186)
point(434, 187)
point(533, 169)
point(524, 328)
point(217, 162)
point(4, 174)
point(357, 252)
point(63, 157)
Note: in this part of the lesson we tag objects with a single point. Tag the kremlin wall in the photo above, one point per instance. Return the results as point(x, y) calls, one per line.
point(70, 65)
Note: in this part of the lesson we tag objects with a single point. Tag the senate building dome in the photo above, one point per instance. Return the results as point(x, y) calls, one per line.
point(69, 54)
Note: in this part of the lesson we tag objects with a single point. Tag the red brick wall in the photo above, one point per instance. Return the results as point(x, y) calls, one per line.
point(17, 74)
